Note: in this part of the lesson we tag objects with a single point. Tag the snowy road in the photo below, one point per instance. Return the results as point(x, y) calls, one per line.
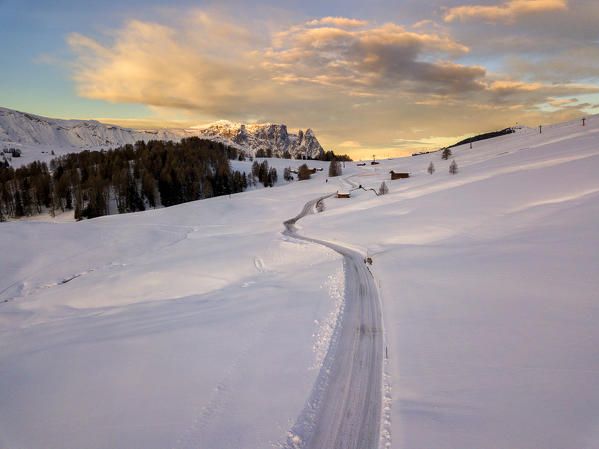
point(344, 410)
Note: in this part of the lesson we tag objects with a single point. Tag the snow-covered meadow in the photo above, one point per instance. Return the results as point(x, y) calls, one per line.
point(201, 325)
point(198, 325)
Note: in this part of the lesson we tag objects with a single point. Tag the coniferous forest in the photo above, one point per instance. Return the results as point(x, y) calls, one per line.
point(132, 178)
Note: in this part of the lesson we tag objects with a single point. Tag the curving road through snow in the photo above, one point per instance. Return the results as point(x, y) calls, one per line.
point(344, 409)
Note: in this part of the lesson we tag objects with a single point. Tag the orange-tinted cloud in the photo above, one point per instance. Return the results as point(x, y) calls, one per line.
point(371, 58)
point(360, 85)
point(338, 22)
point(506, 12)
point(563, 102)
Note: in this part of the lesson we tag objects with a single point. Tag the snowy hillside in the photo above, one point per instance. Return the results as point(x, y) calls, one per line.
point(204, 325)
point(37, 137)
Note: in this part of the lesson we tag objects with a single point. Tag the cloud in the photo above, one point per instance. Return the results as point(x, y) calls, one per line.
point(44, 58)
point(411, 142)
point(424, 23)
point(350, 144)
point(563, 102)
point(366, 59)
point(199, 68)
point(507, 12)
point(359, 84)
point(338, 22)
point(210, 65)
point(574, 63)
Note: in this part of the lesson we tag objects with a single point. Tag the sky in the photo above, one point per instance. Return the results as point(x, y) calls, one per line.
point(378, 77)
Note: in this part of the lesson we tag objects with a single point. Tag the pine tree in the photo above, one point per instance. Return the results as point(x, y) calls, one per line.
point(255, 169)
point(263, 173)
point(19, 209)
point(148, 188)
point(383, 189)
point(453, 168)
point(431, 168)
point(334, 168)
point(272, 176)
point(303, 172)
point(68, 200)
point(446, 154)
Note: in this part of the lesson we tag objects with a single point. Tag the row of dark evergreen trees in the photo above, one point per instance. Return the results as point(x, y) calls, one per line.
point(326, 156)
point(136, 176)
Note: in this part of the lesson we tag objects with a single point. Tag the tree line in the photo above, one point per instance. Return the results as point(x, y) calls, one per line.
point(326, 156)
point(133, 176)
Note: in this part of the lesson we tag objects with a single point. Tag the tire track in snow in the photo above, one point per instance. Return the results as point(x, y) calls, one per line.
point(344, 408)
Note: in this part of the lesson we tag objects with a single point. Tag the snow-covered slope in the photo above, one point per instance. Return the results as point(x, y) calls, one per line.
point(38, 136)
point(490, 288)
point(202, 325)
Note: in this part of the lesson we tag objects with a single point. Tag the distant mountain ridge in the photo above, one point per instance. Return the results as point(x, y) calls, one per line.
point(38, 136)
point(268, 136)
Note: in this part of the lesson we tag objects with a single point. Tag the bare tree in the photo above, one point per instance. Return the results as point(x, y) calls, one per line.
point(431, 168)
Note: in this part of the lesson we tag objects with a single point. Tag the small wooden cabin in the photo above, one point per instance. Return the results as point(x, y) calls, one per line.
point(342, 194)
point(395, 175)
point(374, 163)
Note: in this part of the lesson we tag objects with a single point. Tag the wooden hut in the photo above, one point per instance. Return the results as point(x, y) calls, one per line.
point(342, 194)
point(395, 175)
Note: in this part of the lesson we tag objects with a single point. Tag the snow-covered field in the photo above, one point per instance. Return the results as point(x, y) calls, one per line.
point(202, 325)
point(490, 287)
point(198, 325)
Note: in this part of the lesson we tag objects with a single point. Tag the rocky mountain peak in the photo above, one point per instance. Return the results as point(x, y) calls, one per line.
point(268, 137)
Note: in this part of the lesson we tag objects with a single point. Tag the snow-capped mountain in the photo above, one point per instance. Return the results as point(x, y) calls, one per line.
point(38, 137)
point(269, 136)
point(22, 129)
